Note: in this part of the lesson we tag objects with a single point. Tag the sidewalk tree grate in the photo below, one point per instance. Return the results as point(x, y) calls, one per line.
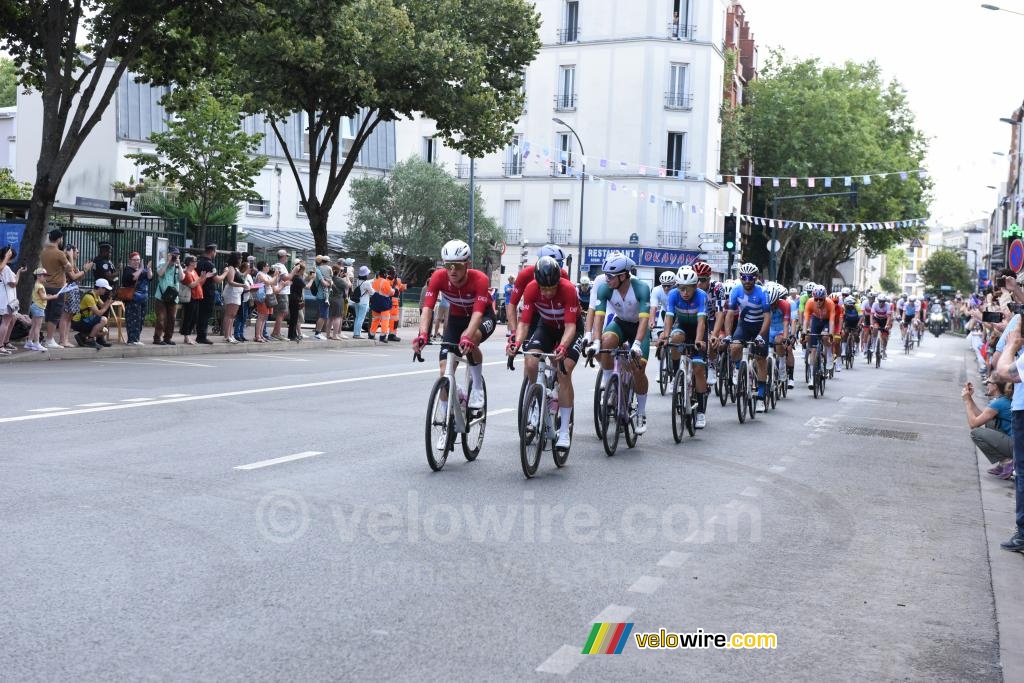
point(883, 433)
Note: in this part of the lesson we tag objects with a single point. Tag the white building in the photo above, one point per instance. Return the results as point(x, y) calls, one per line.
point(135, 113)
point(643, 94)
point(8, 137)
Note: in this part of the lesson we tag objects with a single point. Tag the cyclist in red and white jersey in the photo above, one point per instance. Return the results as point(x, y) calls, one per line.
point(471, 318)
point(525, 277)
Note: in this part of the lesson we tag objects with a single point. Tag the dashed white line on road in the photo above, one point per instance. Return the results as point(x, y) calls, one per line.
point(750, 492)
point(787, 459)
point(174, 395)
point(94, 405)
point(46, 410)
point(182, 362)
point(766, 480)
point(565, 659)
point(673, 559)
point(646, 585)
point(777, 468)
point(500, 411)
point(278, 461)
point(135, 400)
point(613, 613)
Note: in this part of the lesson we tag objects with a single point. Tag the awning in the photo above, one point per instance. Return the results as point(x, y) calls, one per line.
point(298, 240)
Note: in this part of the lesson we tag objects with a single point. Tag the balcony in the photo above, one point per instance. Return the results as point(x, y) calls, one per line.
point(513, 235)
point(676, 170)
point(671, 237)
point(565, 102)
point(569, 35)
point(559, 235)
point(678, 101)
point(512, 169)
point(678, 31)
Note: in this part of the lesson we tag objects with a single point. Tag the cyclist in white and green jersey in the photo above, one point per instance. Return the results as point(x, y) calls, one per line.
point(630, 300)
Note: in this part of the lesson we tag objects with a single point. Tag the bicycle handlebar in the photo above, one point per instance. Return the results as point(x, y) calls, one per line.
point(418, 355)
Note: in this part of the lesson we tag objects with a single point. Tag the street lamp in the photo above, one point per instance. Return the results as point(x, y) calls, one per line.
point(583, 187)
point(1001, 9)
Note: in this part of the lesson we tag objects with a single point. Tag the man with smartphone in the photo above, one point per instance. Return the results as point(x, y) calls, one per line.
point(1009, 368)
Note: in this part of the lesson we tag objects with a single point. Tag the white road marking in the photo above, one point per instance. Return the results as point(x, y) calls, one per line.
point(776, 468)
point(750, 492)
point(501, 411)
point(359, 353)
point(614, 614)
point(646, 585)
point(787, 459)
point(182, 362)
point(174, 395)
point(94, 405)
point(673, 559)
point(135, 400)
point(764, 480)
point(565, 659)
point(278, 461)
point(955, 425)
point(227, 394)
point(923, 354)
point(46, 410)
point(874, 401)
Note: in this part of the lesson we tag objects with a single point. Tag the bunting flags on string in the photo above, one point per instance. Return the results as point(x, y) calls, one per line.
point(782, 224)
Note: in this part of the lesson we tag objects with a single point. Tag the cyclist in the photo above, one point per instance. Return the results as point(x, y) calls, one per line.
point(630, 299)
point(525, 277)
point(471, 318)
point(866, 305)
point(818, 316)
point(837, 328)
point(703, 271)
point(852, 318)
point(881, 319)
point(748, 307)
point(659, 298)
point(686, 321)
point(781, 327)
point(559, 331)
point(583, 293)
point(909, 315)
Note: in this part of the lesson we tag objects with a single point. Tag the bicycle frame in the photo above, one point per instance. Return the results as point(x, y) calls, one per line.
point(622, 370)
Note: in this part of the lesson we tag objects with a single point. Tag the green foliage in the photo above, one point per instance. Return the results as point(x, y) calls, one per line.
point(166, 201)
point(888, 284)
point(204, 153)
point(8, 83)
point(895, 261)
point(459, 62)
point(735, 145)
point(806, 119)
point(945, 267)
point(414, 211)
point(12, 189)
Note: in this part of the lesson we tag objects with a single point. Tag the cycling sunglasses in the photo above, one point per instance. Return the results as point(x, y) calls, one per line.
point(748, 278)
point(455, 265)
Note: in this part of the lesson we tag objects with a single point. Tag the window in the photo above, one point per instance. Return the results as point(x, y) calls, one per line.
point(560, 225)
point(511, 222)
point(566, 100)
point(672, 217)
point(258, 206)
point(674, 165)
point(910, 278)
point(570, 32)
point(514, 157)
point(676, 97)
point(346, 129)
point(430, 150)
point(563, 145)
point(678, 27)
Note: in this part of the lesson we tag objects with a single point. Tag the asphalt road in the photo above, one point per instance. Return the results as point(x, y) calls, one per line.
point(135, 547)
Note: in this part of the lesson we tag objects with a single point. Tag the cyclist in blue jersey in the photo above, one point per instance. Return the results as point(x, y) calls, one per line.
point(780, 329)
point(686, 316)
point(748, 307)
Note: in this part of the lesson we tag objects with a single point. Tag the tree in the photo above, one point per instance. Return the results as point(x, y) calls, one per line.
point(62, 48)
point(888, 284)
point(12, 189)
point(204, 153)
point(808, 120)
point(945, 267)
point(364, 62)
point(735, 145)
point(8, 83)
point(414, 211)
point(895, 260)
point(166, 200)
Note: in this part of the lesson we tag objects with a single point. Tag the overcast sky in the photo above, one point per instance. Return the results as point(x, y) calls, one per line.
point(955, 59)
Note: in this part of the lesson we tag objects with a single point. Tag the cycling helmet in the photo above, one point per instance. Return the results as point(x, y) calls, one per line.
point(668, 277)
point(547, 272)
point(616, 263)
point(552, 250)
point(584, 281)
point(686, 276)
point(455, 251)
point(883, 299)
point(913, 299)
point(850, 301)
point(836, 297)
point(748, 269)
point(809, 287)
point(702, 269)
point(774, 294)
point(846, 291)
point(718, 290)
point(819, 292)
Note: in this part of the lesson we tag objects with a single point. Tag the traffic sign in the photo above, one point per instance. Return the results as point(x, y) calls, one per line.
point(710, 236)
point(710, 246)
point(1015, 255)
point(774, 245)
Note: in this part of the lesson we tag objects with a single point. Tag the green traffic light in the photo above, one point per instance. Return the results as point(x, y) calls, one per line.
point(729, 245)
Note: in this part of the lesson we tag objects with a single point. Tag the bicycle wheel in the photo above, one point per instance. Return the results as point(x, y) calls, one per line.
point(610, 426)
point(689, 417)
point(473, 439)
point(741, 392)
point(770, 387)
point(664, 370)
point(598, 404)
point(522, 394)
point(531, 430)
point(629, 427)
point(678, 417)
point(752, 389)
point(878, 352)
point(561, 455)
point(724, 381)
point(821, 380)
point(440, 427)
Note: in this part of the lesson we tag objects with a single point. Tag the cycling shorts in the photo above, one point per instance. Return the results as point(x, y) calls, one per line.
point(851, 324)
point(882, 322)
point(689, 333)
point(774, 332)
point(747, 332)
point(626, 332)
point(545, 339)
point(909, 318)
point(457, 324)
point(817, 325)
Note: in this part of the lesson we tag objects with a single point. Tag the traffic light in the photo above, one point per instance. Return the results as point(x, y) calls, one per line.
point(729, 238)
point(524, 255)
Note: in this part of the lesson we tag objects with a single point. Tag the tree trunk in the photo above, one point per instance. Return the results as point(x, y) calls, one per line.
point(318, 224)
point(35, 230)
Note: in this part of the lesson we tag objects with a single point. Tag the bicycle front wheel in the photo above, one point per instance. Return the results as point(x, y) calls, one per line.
point(440, 427)
point(677, 408)
point(740, 390)
point(664, 371)
point(610, 416)
point(473, 439)
point(598, 403)
point(531, 430)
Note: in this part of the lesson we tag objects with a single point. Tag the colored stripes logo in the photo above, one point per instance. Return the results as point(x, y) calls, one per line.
point(607, 638)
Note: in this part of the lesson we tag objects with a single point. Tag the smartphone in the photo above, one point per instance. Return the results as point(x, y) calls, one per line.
point(991, 317)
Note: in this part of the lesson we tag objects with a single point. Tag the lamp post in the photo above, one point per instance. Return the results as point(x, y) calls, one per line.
point(583, 187)
point(472, 205)
point(1001, 9)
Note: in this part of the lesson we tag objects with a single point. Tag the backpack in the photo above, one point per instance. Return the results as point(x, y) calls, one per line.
point(356, 292)
point(315, 287)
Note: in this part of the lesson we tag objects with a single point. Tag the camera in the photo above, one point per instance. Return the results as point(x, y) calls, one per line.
point(1014, 307)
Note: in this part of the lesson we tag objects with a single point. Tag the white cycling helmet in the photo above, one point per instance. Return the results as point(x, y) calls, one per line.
point(686, 275)
point(913, 299)
point(552, 250)
point(455, 251)
point(616, 263)
point(819, 292)
point(774, 294)
point(584, 281)
point(809, 287)
point(668, 277)
point(850, 301)
point(845, 291)
point(748, 269)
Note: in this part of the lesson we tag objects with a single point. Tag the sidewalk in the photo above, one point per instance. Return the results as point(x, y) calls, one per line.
point(121, 350)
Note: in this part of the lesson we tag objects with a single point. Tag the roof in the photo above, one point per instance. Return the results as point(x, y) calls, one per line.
point(300, 240)
point(93, 212)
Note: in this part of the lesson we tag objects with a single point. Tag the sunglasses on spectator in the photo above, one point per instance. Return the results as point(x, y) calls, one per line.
point(455, 265)
point(748, 278)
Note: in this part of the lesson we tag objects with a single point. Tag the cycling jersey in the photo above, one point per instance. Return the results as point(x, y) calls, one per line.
point(750, 306)
point(472, 296)
point(881, 310)
point(910, 309)
point(561, 310)
point(780, 313)
point(803, 303)
point(686, 314)
point(851, 317)
point(524, 278)
point(818, 316)
point(631, 307)
point(584, 298)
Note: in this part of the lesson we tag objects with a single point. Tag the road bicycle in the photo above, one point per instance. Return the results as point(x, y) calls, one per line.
point(664, 371)
point(777, 388)
point(744, 380)
point(908, 339)
point(598, 392)
point(618, 405)
point(875, 347)
point(818, 374)
point(851, 339)
point(723, 381)
point(684, 408)
point(448, 418)
point(539, 421)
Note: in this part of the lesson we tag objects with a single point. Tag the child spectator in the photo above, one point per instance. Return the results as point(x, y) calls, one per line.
point(37, 310)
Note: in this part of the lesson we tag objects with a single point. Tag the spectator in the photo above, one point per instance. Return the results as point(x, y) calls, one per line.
point(323, 283)
point(991, 429)
point(55, 261)
point(380, 306)
point(192, 300)
point(242, 319)
point(91, 318)
point(136, 276)
point(507, 297)
point(339, 297)
point(72, 295)
point(395, 317)
point(37, 309)
point(234, 283)
point(296, 294)
point(104, 264)
point(264, 308)
point(1009, 369)
point(361, 292)
point(169, 275)
point(208, 280)
point(348, 277)
point(284, 276)
point(8, 298)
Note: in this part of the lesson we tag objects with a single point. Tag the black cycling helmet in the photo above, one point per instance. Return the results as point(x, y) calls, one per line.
point(547, 273)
